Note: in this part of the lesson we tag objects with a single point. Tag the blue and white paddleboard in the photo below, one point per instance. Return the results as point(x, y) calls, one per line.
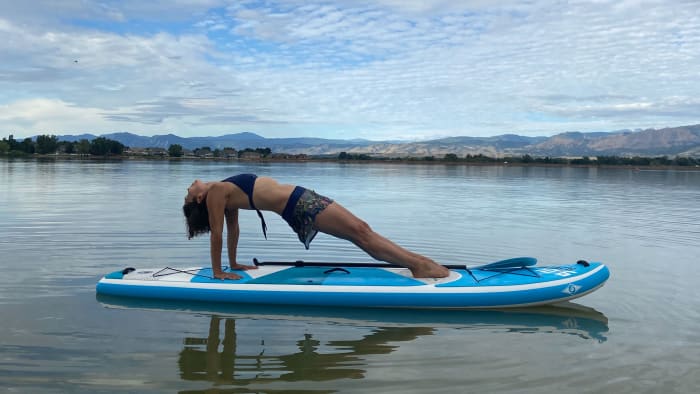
point(510, 283)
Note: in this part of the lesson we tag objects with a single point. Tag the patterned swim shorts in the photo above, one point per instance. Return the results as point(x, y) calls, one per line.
point(301, 210)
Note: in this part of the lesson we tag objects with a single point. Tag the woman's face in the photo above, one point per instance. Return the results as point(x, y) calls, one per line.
point(196, 189)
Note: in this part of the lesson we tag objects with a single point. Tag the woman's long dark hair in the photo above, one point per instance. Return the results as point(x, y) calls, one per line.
point(197, 216)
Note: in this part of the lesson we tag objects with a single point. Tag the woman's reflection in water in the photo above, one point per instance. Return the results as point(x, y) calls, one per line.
point(201, 359)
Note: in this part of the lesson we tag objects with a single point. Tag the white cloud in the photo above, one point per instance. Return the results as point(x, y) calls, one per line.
point(48, 115)
point(383, 69)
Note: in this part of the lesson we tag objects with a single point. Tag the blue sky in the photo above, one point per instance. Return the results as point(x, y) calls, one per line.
point(382, 69)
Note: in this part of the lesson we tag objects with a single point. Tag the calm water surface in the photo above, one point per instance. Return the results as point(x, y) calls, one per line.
point(63, 224)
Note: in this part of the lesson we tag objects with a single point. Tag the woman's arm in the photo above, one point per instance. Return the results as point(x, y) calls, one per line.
point(216, 204)
point(233, 232)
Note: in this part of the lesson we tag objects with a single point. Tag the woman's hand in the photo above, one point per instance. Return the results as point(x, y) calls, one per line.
point(227, 275)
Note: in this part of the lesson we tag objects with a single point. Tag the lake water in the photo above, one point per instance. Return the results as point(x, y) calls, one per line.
point(63, 224)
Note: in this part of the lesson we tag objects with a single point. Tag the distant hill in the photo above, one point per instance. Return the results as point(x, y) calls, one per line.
point(237, 141)
point(668, 141)
point(672, 141)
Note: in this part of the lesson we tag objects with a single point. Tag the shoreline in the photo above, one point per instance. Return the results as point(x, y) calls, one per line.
point(404, 161)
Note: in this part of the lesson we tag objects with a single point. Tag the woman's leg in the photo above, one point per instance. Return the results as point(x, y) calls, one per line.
point(339, 222)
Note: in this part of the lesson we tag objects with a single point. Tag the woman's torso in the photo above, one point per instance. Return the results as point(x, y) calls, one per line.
point(268, 195)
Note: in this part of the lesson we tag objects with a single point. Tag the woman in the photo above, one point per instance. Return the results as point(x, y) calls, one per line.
point(209, 204)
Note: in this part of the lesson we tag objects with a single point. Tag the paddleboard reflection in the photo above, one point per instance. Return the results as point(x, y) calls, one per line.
point(565, 318)
point(248, 344)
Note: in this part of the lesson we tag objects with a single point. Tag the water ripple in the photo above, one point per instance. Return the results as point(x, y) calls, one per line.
point(64, 224)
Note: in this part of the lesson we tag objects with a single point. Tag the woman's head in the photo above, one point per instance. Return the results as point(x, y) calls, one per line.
point(195, 209)
point(197, 191)
point(197, 217)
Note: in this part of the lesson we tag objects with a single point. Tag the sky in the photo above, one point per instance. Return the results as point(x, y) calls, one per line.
point(377, 70)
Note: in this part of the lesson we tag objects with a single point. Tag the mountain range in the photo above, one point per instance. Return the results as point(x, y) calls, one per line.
point(671, 141)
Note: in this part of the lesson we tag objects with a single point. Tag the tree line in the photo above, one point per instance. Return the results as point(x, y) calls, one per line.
point(101, 146)
point(49, 144)
point(176, 150)
point(528, 159)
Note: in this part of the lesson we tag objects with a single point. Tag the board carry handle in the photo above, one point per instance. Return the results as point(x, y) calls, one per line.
point(336, 269)
point(510, 263)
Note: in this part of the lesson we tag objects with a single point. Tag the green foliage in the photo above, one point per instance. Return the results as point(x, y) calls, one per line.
point(479, 159)
point(175, 150)
point(14, 145)
point(354, 156)
point(46, 144)
point(102, 146)
point(451, 157)
point(686, 161)
point(264, 152)
point(82, 147)
point(49, 144)
point(27, 146)
point(66, 147)
point(99, 146)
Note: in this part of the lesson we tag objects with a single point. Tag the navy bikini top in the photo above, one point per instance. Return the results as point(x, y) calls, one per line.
point(247, 182)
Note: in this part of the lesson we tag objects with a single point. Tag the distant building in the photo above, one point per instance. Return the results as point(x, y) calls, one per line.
point(135, 151)
point(250, 156)
point(590, 158)
point(229, 153)
point(288, 156)
point(203, 153)
point(160, 152)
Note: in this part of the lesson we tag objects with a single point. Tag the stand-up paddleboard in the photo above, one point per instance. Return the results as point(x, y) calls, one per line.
point(504, 284)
